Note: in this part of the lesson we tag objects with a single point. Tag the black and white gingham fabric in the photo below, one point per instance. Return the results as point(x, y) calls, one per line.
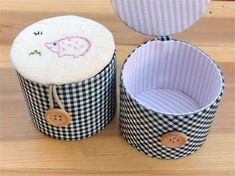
point(163, 38)
point(143, 127)
point(91, 104)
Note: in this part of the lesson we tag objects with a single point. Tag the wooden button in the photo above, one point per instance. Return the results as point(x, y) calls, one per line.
point(174, 139)
point(57, 117)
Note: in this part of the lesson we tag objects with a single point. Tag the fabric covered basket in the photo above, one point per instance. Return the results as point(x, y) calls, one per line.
point(72, 95)
point(170, 90)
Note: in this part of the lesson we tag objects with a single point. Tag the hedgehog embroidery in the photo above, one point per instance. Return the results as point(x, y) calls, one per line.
point(70, 46)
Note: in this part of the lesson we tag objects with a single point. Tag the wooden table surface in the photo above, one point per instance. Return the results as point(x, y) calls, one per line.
point(25, 151)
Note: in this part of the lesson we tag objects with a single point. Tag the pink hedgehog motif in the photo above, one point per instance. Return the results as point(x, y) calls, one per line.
point(70, 46)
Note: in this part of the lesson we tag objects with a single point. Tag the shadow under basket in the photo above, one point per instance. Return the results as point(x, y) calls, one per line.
point(170, 91)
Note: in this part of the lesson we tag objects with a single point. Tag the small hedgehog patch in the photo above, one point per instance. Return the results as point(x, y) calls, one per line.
point(70, 46)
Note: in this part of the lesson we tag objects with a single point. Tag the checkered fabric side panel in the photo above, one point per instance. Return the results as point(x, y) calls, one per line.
point(91, 104)
point(143, 128)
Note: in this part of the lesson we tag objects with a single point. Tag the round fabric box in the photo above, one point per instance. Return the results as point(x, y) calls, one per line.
point(67, 71)
point(170, 90)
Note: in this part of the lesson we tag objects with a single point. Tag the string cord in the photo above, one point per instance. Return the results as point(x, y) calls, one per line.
point(52, 94)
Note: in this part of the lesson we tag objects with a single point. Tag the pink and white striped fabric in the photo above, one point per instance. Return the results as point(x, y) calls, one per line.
point(160, 17)
point(172, 77)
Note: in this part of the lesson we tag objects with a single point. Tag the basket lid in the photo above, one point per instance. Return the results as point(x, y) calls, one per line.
point(61, 50)
point(160, 17)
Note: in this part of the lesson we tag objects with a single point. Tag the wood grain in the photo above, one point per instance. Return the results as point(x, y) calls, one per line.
point(25, 151)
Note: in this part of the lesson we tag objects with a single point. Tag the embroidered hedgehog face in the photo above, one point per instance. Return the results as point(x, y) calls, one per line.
point(53, 46)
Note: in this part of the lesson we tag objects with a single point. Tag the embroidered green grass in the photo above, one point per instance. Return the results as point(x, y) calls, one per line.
point(35, 52)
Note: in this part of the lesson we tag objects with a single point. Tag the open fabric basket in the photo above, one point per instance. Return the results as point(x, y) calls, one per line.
point(170, 90)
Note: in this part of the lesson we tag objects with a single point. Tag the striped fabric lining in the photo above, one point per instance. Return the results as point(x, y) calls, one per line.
point(193, 78)
point(160, 17)
point(168, 100)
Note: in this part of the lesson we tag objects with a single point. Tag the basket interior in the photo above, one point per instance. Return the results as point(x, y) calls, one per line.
point(172, 77)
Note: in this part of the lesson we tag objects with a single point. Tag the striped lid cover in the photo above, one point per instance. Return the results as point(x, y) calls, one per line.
point(160, 17)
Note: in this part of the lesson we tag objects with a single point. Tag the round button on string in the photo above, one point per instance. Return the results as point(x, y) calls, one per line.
point(57, 117)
